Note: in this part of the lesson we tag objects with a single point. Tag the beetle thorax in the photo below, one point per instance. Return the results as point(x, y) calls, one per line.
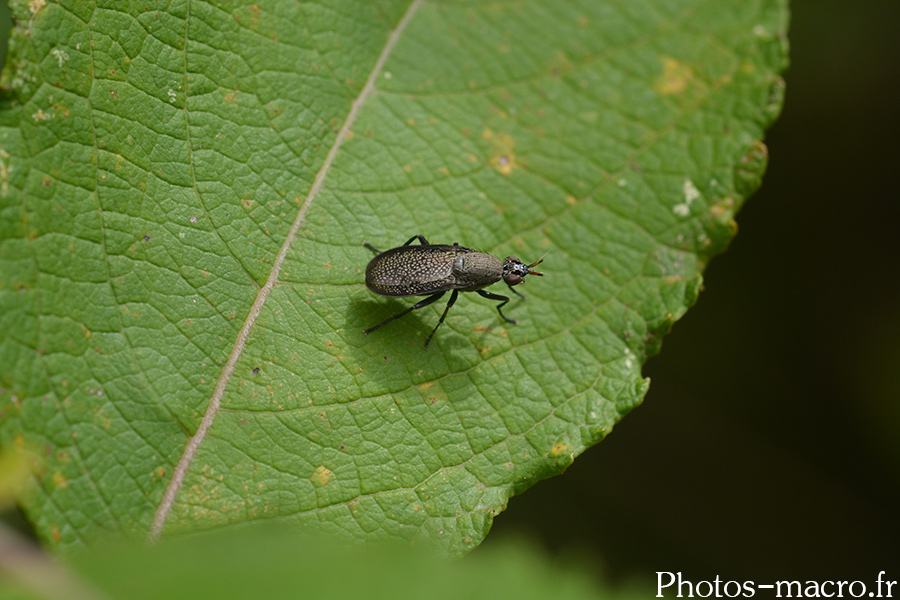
point(475, 270)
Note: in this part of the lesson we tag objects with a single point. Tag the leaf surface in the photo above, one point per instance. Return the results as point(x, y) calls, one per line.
point(185, 190)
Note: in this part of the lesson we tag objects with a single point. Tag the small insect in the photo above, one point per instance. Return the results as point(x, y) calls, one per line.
point(435, 269)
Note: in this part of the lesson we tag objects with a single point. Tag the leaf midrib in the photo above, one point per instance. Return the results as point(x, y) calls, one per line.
point(212, 410)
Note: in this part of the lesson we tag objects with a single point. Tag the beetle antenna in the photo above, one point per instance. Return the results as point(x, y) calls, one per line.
point(536, 263)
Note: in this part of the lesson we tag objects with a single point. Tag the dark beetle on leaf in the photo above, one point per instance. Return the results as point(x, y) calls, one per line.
point(435, 269)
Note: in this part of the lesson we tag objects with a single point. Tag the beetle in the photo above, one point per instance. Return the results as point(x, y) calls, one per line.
point(434, 269)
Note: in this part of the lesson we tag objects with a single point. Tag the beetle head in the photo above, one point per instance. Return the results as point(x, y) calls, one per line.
point(514, 271)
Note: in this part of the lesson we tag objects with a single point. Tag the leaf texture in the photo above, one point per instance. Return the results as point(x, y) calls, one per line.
point(185, 187)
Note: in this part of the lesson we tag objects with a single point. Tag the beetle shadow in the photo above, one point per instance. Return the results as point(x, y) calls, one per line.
point(403, 334)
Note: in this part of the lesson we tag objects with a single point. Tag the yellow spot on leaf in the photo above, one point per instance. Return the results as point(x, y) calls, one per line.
point(59, 480)
point(674, 78)
point(559, 448)
point(432, 392)
point(503, 155)
point(321, 476)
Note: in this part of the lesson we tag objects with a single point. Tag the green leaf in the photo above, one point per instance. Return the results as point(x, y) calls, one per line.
point(264, 562)
point(185, 189)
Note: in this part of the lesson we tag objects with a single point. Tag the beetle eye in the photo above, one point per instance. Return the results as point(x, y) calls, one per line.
point(512, 279)
point(512, 260)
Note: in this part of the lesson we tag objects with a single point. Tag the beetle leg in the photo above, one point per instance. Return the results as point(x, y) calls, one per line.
point(421, 239)
point(429, 300)
point(446, 310)
point(514, 291)
point(502, 299)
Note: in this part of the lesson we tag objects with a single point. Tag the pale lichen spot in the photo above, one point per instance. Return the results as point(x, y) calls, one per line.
point(629, 356)
point(23, 78)
point(691, 192)
point(173, 96)
point(35, 6)
point(622, 182)
point(674, 78)
point(61, 56)
point(321, 476)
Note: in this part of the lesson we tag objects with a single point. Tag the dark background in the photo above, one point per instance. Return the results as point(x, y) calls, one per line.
point(768, 446)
